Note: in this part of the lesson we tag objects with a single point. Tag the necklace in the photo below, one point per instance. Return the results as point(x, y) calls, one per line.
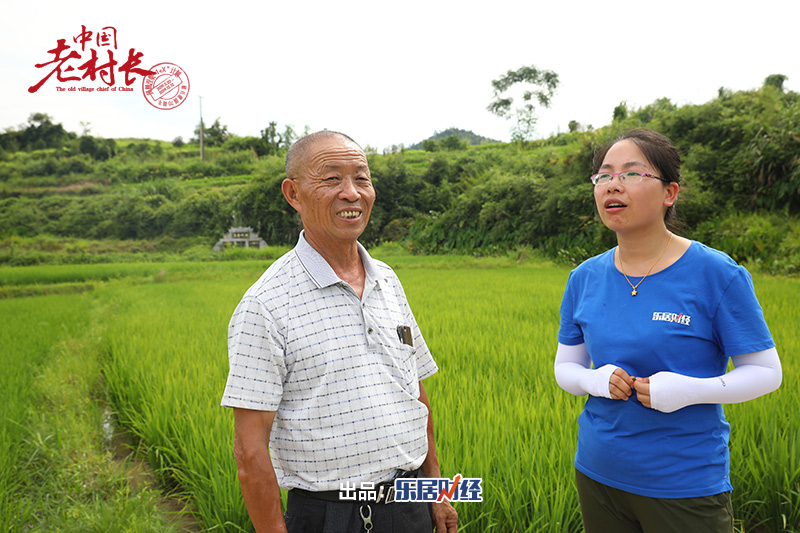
point(634, 292)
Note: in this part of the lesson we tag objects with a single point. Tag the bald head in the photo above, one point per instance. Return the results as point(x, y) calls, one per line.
point(298, 154)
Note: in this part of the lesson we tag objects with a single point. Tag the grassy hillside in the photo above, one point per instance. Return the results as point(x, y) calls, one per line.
point(741, 177)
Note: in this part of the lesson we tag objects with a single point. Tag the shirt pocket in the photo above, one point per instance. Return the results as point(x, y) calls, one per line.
point(406, 358)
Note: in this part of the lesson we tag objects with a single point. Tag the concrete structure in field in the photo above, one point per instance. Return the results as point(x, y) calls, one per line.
point(242, 237)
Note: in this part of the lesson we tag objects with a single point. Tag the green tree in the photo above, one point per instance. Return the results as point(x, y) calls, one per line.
point(452, 142)
point(41, 133)
point(261, 205)
point(429, 145)
point(537, 83)
point(214, 135)
point(289, 136)
point(98, 149)
point(775, 80)
point(272, 139)
point(620, 112)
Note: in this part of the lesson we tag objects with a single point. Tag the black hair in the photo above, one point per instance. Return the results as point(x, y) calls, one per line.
point(660, 152)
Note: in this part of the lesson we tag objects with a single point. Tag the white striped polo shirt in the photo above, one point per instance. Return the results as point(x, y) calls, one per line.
point(344, 386)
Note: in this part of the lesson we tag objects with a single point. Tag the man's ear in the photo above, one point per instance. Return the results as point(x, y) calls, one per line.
point(289, 188)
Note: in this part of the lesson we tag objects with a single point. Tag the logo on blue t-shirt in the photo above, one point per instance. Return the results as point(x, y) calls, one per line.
point(679, 318)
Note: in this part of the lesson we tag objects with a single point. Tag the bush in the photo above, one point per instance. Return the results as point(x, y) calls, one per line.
point(236, 163)
point(762, 241)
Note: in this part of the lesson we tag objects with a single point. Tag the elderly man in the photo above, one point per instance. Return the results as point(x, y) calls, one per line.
point(326, 362)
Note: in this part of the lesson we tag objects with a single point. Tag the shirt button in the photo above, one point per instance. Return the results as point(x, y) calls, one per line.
point(369, 330)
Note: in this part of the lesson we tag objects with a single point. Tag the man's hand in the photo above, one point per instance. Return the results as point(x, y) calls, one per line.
point(445, 518)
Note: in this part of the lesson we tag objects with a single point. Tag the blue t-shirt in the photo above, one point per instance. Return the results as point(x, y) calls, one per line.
point(689, 319)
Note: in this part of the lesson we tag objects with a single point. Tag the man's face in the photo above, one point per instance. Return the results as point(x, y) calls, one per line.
point(334, 193)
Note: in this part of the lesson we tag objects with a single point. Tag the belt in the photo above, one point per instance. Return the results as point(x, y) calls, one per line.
point(383, 492)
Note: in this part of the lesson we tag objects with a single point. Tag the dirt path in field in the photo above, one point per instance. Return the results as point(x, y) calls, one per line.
point(140, 475)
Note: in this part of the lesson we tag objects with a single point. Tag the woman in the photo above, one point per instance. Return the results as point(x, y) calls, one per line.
point(646, 330)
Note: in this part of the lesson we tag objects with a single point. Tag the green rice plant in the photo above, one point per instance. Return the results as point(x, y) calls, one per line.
point(28, 331)
point(498, 412)
point(132, 272)
point(166, 370)
point(765, 434)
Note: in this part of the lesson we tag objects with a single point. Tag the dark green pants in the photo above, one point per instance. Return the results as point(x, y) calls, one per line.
point(607, 509)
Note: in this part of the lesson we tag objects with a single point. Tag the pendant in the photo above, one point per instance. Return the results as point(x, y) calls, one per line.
point(633, 292)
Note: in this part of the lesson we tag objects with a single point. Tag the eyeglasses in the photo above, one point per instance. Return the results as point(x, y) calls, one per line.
point(624, 177)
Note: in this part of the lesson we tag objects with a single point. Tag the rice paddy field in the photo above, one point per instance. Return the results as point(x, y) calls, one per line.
point(158, 334)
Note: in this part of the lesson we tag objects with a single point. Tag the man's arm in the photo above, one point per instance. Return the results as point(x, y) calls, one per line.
point(256, 476)
point(445, 518)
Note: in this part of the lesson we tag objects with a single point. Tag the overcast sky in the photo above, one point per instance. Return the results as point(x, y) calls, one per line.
point(392, 72)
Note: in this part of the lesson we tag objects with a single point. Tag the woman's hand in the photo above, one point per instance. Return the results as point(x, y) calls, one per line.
point(621, 385)
point(642, 386)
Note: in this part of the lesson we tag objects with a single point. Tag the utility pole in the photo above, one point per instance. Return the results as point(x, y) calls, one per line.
point(202, 152)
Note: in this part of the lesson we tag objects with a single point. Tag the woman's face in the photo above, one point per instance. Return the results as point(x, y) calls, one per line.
point(632, 206)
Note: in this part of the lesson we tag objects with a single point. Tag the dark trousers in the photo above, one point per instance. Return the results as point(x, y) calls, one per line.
point(606, 509)
point(305, 514)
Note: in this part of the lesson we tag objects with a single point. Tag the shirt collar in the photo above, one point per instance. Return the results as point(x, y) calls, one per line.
point(322, 273)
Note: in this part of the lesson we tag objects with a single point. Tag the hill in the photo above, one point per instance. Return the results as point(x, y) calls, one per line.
point(741, 177)
point(471, 138)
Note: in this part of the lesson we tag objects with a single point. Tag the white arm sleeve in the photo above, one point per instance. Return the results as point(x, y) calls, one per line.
point(754, 375)
point(574, 372)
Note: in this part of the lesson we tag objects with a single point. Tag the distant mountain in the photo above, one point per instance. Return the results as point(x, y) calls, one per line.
point(470, 137)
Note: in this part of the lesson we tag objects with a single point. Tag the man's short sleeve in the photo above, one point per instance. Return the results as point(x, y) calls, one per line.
point(256, 359)
point(426, 366)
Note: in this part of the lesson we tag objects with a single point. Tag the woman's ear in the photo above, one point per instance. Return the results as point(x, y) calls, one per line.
point(671, 193)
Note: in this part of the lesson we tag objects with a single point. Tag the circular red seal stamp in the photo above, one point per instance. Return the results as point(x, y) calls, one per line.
point(167, 88)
